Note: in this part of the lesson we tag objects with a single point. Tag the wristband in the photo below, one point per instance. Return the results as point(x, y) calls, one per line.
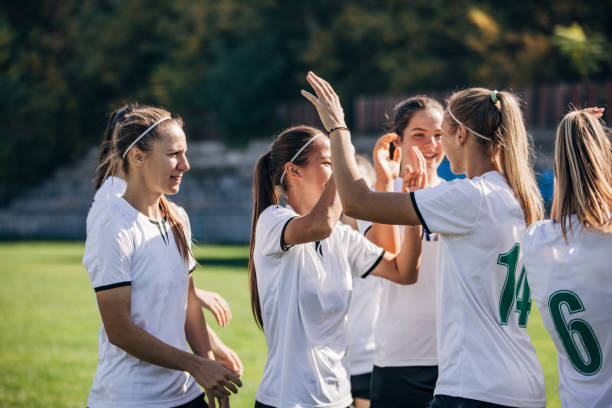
point(329, 132)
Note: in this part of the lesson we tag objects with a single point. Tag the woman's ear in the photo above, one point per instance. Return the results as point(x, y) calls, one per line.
point(461, 136)
point(292, 170)
point(136, 157)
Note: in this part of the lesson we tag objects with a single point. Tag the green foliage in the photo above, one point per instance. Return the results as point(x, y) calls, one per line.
point(585, 53)
point(225, 65)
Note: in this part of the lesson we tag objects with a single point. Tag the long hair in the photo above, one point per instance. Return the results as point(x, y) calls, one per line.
point(503, 123)
point(106, 167)
point(126, 131)
point(583, 173)
point(266, 185)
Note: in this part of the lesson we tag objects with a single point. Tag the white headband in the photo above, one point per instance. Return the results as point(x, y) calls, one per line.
point(150, 128)
point(461, 124)
point(298, 153)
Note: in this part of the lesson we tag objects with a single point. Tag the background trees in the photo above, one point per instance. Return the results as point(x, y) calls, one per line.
point(225, 65)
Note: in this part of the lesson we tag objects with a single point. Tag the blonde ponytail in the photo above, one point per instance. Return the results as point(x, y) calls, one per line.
point(583, 173)
point(497, 119)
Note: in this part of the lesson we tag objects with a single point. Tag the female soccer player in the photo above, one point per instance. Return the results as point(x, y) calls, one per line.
point(110, 184)
point(568, 260)
point(143, 284)
point(405, 363)
point(484, 353)
point(301, 268)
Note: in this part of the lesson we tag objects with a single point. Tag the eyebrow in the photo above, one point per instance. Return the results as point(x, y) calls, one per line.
point(424, 130)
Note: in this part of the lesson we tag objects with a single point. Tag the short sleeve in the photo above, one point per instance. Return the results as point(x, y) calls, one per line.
point(363, 226)
point(449, 208)
point(270, 231)
point(192, 264)
point(363, 255)
point(115, 248)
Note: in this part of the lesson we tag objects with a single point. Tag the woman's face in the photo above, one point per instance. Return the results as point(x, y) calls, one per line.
point(166, 162)
point(424, 131)
point(317, 170)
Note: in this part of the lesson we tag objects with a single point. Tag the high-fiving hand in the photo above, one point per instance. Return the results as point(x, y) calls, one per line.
point(326, 102)
point(415, 172)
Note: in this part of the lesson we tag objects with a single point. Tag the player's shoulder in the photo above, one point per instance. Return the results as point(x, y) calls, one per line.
point(539, 233)
point(117, 216)
point(274, 213)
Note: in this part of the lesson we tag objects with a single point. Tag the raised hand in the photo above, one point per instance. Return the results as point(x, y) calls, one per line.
point(415, 172)
point(326, 102)
point(216, 305)
point(387, 168)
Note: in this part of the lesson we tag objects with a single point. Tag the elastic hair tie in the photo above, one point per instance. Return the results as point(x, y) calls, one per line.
point(298, 153)
point(461, 124)
point(494, 97)
point(150, 128)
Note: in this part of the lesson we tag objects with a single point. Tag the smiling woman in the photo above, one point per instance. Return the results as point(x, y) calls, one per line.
point(141, 274)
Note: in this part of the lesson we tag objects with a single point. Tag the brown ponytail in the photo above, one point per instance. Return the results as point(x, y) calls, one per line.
point(169, 212)
point(106, 165)
point(264, 195)
point(503, 124)
point(266, 181)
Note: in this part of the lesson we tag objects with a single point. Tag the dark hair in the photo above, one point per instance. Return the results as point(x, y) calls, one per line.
point(105, 167)
point(403, 111)
point(266, 179)
point(133, 124)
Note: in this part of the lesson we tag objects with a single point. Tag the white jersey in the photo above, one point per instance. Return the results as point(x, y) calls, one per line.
point(136, 251)
point(484, 351)
point(304, 292)
point(111, 188)
point(362, 315)
point(406, 327)
point(571, 285)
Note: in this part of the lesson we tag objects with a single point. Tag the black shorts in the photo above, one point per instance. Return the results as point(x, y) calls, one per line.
point(446, 401)
point(360, 386)
point(401, 387)
point(260, 405)
point(195, 403)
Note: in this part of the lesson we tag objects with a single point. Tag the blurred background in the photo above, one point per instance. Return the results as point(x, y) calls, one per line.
point(233, 69)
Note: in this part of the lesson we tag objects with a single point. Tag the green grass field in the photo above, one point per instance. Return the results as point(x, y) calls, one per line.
point(49, 323)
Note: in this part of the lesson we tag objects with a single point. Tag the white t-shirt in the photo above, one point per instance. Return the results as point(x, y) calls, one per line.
point(111, 188)
point(305, 291)
point(406, 326)
point(483, 352)
point(134, 250)
point(362, 315)
point(571, 284)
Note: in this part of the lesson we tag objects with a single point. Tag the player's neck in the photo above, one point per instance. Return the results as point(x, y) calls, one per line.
point(300, 204)
point(142, 199)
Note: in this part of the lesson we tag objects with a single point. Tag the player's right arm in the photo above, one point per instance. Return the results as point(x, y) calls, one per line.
point(319, 223)
point(122, 332)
